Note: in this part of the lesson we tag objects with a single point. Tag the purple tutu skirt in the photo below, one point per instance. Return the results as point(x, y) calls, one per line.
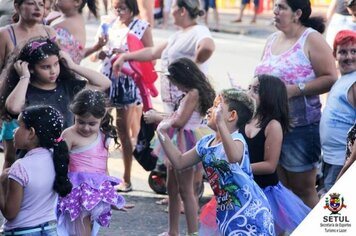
point(288, 209)
point(92, 195)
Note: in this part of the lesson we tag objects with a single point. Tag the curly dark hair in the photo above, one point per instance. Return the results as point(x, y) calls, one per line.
point(34, 51)
point(95, 103)
point(184, 72)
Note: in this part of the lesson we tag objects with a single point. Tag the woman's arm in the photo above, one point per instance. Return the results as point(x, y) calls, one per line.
point(17, 98)
point(3, 47)
point(96, 80)
point(323, 63)
point(145, 54)
point(331, 11)
point(272, 149)
point(204, 50)
point(179, 161)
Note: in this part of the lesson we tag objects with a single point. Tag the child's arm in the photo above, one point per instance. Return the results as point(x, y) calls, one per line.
point(11, 194)
point(17, 98)
point(68, 137)
point(179, 161)
point(96, 80)
point(233, 148)
point(186, 108)
point(272, 149)
point(102, 40)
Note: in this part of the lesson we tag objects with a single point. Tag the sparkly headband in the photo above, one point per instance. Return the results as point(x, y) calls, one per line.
point(35, 45)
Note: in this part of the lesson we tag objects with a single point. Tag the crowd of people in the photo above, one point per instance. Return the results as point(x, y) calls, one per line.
point(261, 154)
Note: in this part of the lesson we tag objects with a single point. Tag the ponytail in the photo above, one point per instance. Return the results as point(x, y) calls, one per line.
point(62, 184)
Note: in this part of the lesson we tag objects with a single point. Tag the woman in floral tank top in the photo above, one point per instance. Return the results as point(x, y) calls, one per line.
point(299, 55)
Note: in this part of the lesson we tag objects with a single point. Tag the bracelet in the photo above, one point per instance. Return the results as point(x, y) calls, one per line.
point(23, 77)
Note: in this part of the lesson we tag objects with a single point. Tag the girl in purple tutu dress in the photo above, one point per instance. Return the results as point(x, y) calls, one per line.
point(93, 193)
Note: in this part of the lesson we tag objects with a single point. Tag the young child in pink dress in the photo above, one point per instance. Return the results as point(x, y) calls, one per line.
point(93, 193)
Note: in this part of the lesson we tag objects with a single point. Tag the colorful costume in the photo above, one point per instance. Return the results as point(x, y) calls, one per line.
point(242, 207)
point(93, 190)
point(70, 44)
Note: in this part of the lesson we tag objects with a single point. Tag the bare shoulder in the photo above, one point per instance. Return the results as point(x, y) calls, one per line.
point(50, 30)
point(272, 127)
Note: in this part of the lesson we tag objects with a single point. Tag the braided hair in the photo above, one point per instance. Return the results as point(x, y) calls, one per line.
point(48, 125)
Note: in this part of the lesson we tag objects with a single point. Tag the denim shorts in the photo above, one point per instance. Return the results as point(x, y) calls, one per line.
point(123, 91)
point(330, 173)
point(7, 131)
point(301, 148)
point(209, 3)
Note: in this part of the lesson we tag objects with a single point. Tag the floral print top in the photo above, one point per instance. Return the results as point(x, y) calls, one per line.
point(293, 67)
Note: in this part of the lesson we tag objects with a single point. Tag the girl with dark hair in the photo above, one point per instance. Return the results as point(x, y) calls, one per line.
point(264, 136)
point(124, 93)
point(241, 207)
point(299, 55)
point(28, 25)
point(28, 190)
point(42, 74)
point(186, 123)
point(93, 193)
point(70, 28)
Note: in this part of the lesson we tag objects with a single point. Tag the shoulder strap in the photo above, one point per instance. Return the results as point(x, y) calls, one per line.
point(48, 35)
point(11, 31)
point(133, 24)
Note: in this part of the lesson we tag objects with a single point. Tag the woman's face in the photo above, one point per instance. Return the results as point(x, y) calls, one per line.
point(176, 13)
point(283, 15)
point(31, 10)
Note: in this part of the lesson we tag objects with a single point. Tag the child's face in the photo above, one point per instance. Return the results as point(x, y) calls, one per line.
point(121, 10)
point(346, 57)
point(47, 8)
point(254, 90)
point(21, 135)
point(65, 5)
point(211, 113)
point(87, 125)
point(31, 10)
point(47, 70)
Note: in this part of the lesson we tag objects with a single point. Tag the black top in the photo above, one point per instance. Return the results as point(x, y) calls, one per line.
point(60, 97)
point(256, 152)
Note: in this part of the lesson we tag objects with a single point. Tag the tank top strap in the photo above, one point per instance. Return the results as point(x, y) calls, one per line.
point(304, 36)
point(11, 31)
point(268, 50)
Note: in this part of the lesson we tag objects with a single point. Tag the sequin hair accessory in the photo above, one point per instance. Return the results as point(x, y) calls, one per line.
point(35, 45)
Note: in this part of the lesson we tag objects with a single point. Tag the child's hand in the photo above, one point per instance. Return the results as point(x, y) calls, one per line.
point(117, 65)
point(164, 125)
point(102, 41)
point(219, 111)
point(151, 116)
point(66, 57)
point(21, 68)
